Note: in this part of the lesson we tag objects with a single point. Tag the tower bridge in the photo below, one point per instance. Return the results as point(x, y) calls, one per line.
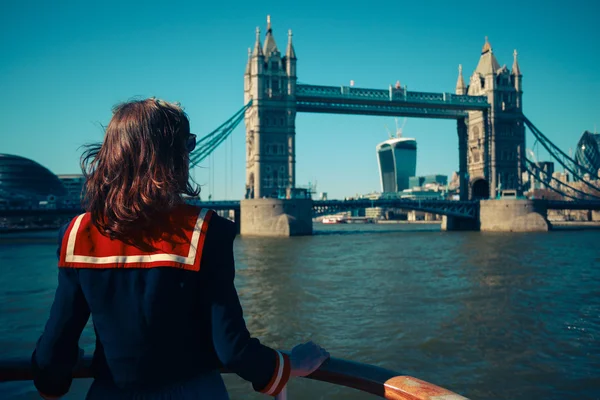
point(488, 112)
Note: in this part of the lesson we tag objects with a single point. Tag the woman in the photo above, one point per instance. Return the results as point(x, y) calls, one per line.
point(156, 275)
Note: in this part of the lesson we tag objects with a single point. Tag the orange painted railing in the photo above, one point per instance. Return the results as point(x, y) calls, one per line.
point(364, 377)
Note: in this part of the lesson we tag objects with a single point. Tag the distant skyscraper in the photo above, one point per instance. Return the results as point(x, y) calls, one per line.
point(588, 154)
point(419, 181)
point(397, 159)
point(542, 175)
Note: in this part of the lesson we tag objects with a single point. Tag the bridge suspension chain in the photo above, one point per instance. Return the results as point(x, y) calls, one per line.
point(552, 179)
point(208, 144)
point(563, 159)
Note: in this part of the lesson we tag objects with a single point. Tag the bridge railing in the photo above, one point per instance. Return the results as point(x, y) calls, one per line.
point(367, 378)
point(464, 209)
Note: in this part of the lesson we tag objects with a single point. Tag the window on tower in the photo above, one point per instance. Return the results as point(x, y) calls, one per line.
point(268, 181)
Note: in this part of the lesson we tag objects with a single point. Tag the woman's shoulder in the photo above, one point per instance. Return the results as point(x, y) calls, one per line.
point(216, 225)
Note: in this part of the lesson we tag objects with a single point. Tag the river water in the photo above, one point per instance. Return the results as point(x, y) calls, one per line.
point(490, 316)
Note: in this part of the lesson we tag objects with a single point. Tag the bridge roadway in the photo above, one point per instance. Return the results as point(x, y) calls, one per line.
point(464, 209)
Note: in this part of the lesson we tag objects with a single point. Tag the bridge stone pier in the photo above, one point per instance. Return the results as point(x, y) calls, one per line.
point(276, 217)
point(504, 215)
point(513, 216)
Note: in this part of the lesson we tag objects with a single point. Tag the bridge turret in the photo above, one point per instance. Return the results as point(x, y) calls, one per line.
point(483, 79)
point(248, 72)
point(290, 65)
point(460, 83)
point(270, 47)
point(253, 81)
point(276, 77)
point(258, 52)
point(248, 64)
point(517, 79)
point(290, 52)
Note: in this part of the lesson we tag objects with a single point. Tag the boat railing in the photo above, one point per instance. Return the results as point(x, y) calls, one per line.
point(366, 378)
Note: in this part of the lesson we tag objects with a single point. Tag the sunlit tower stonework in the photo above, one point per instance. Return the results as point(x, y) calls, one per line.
point(492, 150)
point(270, 83)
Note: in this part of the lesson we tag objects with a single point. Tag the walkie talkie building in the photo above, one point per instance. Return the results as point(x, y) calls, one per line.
point(397, 160)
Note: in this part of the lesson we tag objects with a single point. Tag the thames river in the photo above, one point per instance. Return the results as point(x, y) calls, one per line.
point(490, 316)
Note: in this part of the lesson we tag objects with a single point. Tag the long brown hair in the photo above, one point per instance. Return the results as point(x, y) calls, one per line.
point(140, 171)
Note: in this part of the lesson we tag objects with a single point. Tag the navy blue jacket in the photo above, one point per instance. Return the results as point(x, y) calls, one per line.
point(155, 326)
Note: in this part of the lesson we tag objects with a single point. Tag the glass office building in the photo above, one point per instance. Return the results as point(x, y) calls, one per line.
point(397, 160)
point(588, 154)
point(25, 181)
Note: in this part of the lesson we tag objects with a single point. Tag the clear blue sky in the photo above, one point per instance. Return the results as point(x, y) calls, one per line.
point(64, 64)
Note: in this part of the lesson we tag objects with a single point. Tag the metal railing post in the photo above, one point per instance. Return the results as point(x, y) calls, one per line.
point(282, 395)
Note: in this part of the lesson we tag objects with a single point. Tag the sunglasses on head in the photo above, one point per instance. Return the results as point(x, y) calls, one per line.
point(191, 142)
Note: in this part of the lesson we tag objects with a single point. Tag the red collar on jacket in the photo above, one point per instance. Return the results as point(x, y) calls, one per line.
point(83, 246)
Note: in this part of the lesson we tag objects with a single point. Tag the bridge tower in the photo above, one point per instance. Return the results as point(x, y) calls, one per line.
point(269, 207)
point(496, 138)
point(270, 83)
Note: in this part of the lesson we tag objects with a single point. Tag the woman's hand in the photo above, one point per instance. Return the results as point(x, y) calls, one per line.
point(307, 358)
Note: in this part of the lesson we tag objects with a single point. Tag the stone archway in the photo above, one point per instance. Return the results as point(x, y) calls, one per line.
point(480, 189)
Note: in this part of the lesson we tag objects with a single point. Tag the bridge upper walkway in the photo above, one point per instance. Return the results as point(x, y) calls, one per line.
point(395, 101)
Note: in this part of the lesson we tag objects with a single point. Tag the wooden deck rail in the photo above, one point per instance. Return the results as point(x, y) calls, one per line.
point(364, 377)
